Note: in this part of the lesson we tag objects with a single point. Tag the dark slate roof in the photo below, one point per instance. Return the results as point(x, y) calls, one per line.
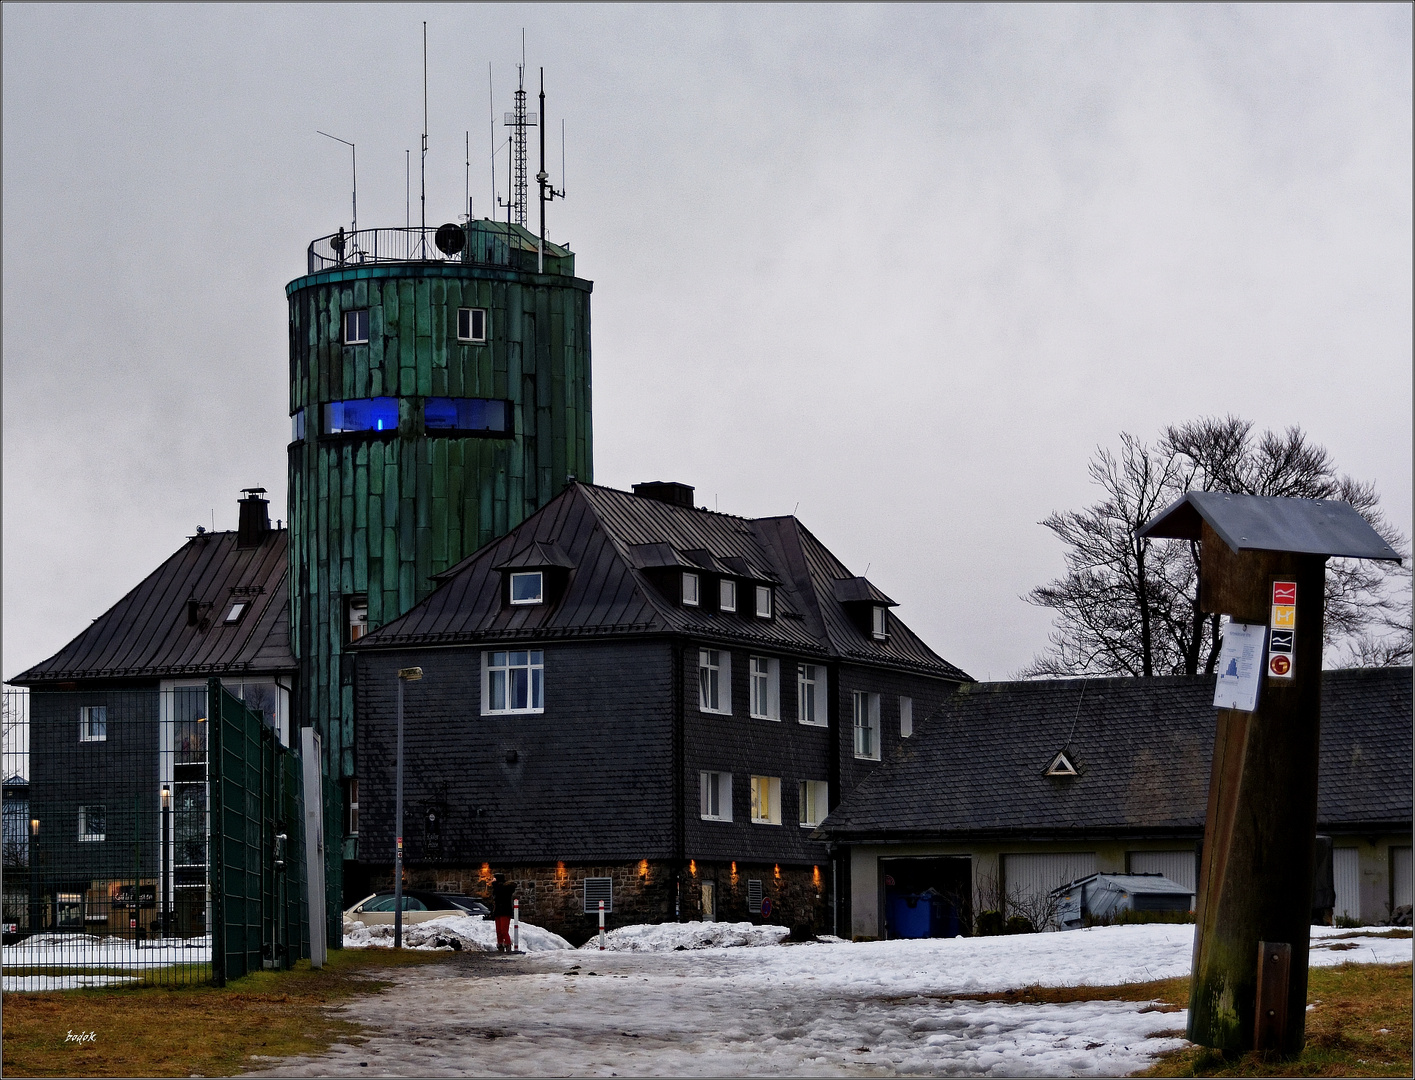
point(1142, 748)
point(146, 634)
point(1270, 523)
point(615, 541)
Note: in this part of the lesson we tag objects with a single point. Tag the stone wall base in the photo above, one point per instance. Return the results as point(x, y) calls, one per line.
point(643, 892)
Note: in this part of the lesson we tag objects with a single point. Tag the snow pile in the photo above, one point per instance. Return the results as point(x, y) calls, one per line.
point(678, 937)
point(468, 931)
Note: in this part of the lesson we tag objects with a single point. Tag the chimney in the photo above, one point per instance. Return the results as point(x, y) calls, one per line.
point(255, 518)
point(666, 492)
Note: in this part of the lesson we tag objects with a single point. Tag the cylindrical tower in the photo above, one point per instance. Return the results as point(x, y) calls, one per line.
point(439, 394)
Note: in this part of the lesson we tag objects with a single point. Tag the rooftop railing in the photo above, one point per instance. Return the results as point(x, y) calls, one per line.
point(481, 245)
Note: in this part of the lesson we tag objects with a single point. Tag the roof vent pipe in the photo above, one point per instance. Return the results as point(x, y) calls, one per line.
point(255, 518)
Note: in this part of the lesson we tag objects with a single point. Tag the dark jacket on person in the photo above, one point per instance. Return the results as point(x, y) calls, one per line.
point(501, 894)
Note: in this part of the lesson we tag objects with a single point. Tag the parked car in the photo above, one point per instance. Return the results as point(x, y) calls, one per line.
point(418, 907)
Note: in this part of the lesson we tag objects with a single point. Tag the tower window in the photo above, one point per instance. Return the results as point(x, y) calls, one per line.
point(467, 414)
point(356, 618)
point(356, 327)
point(471, 324)
point(365, 414)
point(297, 426)
point(528, 588)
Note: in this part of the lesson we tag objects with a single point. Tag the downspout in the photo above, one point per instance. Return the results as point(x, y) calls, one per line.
point(679, 802)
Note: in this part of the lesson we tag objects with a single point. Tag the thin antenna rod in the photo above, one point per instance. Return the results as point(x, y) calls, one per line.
point(491, 109)
point(408, 189)
point(355, 153)
point(563, 188)
point(547, 189)
point(424, 159)
point(467, 180)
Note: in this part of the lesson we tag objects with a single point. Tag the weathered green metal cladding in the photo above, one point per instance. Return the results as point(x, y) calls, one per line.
point(379, 513)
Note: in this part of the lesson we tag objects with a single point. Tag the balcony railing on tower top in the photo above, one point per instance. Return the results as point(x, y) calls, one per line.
point(486, 243)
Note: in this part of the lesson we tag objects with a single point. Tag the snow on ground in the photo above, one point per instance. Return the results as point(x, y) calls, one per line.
point(69, 951)
point(820, 1008)
point(470, 932)
point(672, 937)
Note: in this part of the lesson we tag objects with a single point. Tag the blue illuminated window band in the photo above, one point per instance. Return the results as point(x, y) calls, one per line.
point(441, 416)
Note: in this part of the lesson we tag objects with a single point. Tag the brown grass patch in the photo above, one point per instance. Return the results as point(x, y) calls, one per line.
point(153, 1031)
point(1360, 1026)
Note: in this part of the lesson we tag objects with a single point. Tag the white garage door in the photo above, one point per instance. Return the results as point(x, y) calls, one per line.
point(1346, 877)
point(1178, 866)
point(1400, 875)
point(1031, 875)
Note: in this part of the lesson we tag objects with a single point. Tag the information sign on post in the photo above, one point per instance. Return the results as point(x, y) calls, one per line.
point(1263, 564)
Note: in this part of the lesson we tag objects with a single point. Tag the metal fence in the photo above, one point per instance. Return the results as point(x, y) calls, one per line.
point(107, 839)
point(492, 245)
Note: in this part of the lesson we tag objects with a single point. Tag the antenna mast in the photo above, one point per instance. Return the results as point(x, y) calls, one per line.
point(424, 156)
point(354, 151)
point(547, 190)
point(518, 120)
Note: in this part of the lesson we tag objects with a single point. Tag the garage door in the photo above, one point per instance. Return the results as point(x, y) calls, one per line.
point(1346, 876)
point(1178, 866)
point(1400, 869)
point(1026, 876)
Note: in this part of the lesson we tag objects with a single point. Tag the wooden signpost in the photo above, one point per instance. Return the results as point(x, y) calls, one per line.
point(1263, 564)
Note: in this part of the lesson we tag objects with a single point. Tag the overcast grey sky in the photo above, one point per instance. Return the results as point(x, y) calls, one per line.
point(900, 270)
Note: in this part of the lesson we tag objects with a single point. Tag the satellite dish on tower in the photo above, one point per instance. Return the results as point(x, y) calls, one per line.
point(450, 239)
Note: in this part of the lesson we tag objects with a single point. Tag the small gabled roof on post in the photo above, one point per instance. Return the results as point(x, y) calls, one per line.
point(1268, 523)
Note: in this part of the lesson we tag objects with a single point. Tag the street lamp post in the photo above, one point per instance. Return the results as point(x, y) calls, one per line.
point(166, 859)
point(33, 876)
point(407, 674)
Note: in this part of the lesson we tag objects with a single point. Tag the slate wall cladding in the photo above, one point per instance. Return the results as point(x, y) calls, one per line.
point(119, 773)
point(552, 896)
point(928, 696)
point(592, 777)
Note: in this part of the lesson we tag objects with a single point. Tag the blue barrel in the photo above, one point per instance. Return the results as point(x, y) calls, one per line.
point(909, 915)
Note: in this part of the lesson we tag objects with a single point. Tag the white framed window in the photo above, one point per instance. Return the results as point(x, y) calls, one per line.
point(513, 682)
point(715, 681)
point(763, 601)
point(811, 695)
point(356, 327)
point(356, 618)
point(471, 324)
point(528, 587)
point(690, 589)
point(727, 595)
point(93, 823)
point(351, 817)
point(906, 717)
point(866, 709)
point(814, 802)
point(766, 800)
point(93, 723)
point(766, 688)
point(879, 623)
point(715, 795)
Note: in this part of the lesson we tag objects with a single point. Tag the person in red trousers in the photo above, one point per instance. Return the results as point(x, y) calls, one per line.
point(502, 893)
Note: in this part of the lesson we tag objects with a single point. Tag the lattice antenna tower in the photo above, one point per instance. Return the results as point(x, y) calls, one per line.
point(518, 120)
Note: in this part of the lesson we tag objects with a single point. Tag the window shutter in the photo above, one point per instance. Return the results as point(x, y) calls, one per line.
point(754, 896)
point(597, 889)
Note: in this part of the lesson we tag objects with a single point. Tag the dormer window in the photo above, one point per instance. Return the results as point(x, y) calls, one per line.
point(690, 590)
point(356, 327)
point(528, 587)
point(727, 595)
point(763, 601)
point(879, 623)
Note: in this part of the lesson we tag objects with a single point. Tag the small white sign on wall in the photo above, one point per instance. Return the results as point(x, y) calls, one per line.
point(1240, 664)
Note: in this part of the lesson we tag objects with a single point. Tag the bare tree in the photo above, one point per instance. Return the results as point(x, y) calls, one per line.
point(1130, 606)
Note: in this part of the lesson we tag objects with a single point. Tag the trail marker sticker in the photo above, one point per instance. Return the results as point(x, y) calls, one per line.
point(1282, 640)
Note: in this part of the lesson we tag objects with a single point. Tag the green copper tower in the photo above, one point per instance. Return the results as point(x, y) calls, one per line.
point(439, 394)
